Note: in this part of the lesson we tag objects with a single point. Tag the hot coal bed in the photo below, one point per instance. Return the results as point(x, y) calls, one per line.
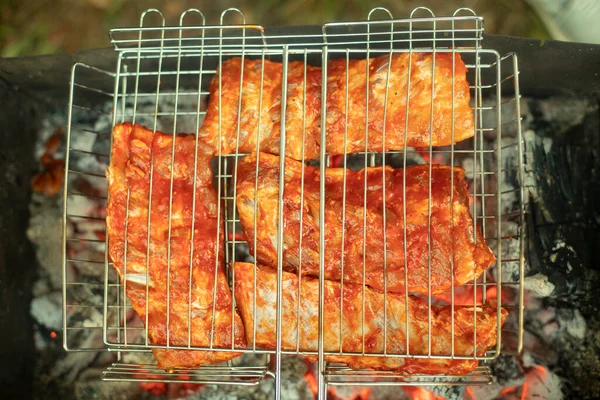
point(561, 354)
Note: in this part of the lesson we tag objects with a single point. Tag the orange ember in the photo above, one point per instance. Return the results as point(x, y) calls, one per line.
point(311, 380)
point(50, 180)
point(172, 390)
point(437, 158)
point(537, 384)
point(469, 395)
point(508, 390)
point(100, 234)
point(313, 385)
point(238, 237)
point(525, 391)
point(335, 161)
point(420, 393)
point(156, 388)
point(363, 394)
point(541, 371)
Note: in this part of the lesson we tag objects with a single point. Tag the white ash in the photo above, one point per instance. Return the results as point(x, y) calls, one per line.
point(508, 114)
point(293, 385)
point(137, 357)
point(49, 125)
point(569, 267)
point(468, 165)
point(509, 180)
point(571, 322)
point(528, 360)
point(552, 324)
point(565, 113)
point(447, 392)
point(547, 143)
point(45, 220)
point(83, 294)
point(93, 319)
point(491, 391)
point(89, 385)
point(81, 205)
point(560, 244)
point(73, 363)
point(45, 229)
point(542, 384)
point(511, 249)
point(530, 142)
point(145, 110)
point(46, 310)
point(399, 393)
point(539, 284)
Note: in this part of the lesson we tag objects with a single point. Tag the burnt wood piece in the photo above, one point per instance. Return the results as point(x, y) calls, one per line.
point(563, 239)
point(563, 220)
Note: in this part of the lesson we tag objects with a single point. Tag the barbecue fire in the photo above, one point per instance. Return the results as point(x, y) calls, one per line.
point(49, 181)
point(154, 388)
point(537, 383)
point(420, 393)
point(171, 390)
point(332, 394)
point(516, 378)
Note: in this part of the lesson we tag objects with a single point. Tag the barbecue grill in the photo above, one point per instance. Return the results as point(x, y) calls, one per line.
point(161, 80)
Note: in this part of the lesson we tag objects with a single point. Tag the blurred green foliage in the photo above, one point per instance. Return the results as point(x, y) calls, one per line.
point(46, 26)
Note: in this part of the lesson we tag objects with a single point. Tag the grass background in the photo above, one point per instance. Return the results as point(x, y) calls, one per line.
point(29, 27)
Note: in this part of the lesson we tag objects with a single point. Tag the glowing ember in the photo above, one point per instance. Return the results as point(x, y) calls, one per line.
point(313, 385)
point(238, 237)
point(538, 383)
point(469, 393)
point(508, 390)
point(174, 390)
point(156, 388)
point(311, 381)
point(363, 394)
point(49, 181)
point(420, 393)
point(335, 160)
point(438, 158)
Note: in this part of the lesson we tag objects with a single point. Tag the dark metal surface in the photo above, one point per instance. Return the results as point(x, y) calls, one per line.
point(547, 67)
point(564, 212)
point(19, 118)
point(552, 67)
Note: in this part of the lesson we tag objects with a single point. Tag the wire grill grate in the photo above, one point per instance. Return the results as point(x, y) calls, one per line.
point(161, 80)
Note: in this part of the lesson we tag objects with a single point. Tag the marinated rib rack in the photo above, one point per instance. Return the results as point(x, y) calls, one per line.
point(347, 330)
point(166, 243)
point(348, 87)
point(163, 80)
point(354, 246)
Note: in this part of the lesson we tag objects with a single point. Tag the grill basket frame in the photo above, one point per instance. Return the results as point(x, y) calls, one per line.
point(165, 54)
